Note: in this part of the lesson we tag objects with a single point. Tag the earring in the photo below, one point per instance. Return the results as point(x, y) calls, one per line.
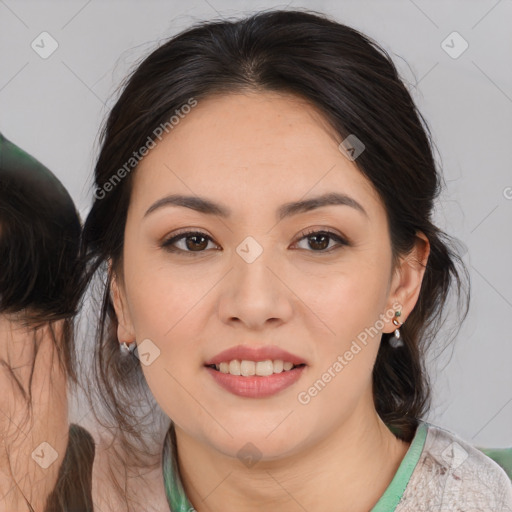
point(127, 349)
point(396, 340)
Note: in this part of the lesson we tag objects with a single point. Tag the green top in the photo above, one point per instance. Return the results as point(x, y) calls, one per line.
point(502, 456)
point(179, 502)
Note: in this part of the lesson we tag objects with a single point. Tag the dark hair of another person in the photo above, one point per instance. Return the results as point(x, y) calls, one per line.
point(41, 275)
point(354, 83)
point(39, 243)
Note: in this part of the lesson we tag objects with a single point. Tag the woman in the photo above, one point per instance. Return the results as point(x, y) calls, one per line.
point(39, 292)
point(263, 214)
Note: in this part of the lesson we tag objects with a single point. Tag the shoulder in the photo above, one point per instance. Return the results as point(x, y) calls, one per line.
point(453, 475)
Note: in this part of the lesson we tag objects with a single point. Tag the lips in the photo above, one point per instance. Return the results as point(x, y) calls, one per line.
point(254, 386)
point(256, 354)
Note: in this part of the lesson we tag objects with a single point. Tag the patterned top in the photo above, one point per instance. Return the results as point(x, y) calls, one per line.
point(440, 472)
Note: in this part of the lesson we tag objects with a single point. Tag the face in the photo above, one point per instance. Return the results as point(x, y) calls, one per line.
point(309, 282)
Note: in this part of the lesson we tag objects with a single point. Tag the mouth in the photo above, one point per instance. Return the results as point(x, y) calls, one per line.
point(247, 368)
point(255, 379)
point(255, 371)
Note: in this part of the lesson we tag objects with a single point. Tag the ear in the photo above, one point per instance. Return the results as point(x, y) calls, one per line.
point(125, 331)
point(406, 283)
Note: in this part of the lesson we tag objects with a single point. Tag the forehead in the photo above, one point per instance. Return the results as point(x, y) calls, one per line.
point(255, 146)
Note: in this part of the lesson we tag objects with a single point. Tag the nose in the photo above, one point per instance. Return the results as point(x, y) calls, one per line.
point(255, 294)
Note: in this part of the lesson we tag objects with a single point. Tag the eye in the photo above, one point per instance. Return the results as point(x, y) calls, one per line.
point(319, 240)
point(193, 242)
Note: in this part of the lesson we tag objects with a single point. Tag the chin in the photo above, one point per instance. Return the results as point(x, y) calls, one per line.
point(250, 445)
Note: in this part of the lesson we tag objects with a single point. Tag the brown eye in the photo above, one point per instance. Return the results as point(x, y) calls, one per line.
point(319, 241)
point(191, 242)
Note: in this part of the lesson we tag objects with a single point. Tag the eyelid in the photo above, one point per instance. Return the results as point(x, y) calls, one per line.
point(186, 231)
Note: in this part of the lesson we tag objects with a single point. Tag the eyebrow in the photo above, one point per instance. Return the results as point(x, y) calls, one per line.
point(206, 206)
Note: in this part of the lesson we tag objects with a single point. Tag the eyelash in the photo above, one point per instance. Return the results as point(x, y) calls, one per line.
point(168, 244)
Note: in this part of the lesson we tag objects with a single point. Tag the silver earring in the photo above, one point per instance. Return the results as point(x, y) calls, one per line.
point(396, 340)
point(127, 349)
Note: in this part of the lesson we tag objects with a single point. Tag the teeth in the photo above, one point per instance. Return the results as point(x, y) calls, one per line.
point(249, 368)
point(278, 366)
point(264, 368)
point(234, 367)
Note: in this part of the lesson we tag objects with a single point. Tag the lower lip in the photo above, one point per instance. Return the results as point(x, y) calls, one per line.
point(256, 386)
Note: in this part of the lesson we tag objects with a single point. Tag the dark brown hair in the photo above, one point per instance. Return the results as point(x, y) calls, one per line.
point(354, 83)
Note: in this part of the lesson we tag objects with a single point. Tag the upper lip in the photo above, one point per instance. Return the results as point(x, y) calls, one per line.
point(241, 352)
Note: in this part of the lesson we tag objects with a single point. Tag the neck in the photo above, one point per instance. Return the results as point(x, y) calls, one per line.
point(349, 470)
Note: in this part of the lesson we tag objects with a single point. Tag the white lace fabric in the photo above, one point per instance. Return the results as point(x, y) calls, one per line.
point(454, 476)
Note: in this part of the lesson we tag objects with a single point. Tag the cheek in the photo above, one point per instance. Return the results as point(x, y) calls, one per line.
point(160, 295)
point(167, 306)
point(347, 301)
point(349, 304)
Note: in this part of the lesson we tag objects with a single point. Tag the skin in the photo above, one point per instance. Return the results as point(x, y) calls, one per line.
point(22, 432)
point(252, 153)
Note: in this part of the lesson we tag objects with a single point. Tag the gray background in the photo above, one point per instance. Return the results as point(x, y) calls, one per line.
point(52, 107)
